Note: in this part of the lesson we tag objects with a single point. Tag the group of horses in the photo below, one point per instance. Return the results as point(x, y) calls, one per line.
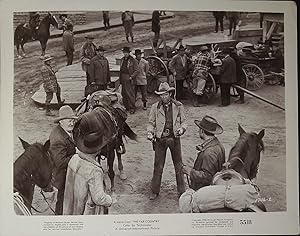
point(35, 166)
point(23, 33)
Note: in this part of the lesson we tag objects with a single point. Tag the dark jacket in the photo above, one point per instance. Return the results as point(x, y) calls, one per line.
point(177, 66)
point(132, 66)
point(228, 71)
point(240, 75)
point(209, 161)
point(99, 70)
point(62, 148)
point(219, 14)
point(155, 22)
point(68, 41)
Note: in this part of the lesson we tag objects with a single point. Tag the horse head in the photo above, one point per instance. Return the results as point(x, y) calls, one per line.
point(41, 163)
point(52, 20)
point(244, 157)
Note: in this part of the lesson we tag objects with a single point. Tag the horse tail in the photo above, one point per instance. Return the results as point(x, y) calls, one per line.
point(129, 132)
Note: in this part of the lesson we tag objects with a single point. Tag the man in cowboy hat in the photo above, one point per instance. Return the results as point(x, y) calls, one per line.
point(211, 155)
point(203, 63)
point(167, 122)
point(99, 69)
point(141, 80)
point(85, 188)
point(128, 72)
point(87, 52)
point(179, 68)
point(67, 23)
point(50, 84)
point(62, 148)
point(68, 43)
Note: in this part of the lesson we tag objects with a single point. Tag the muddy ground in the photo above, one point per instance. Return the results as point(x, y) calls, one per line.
point(31, 124)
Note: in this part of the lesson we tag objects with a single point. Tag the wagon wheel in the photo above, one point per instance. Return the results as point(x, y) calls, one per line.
point(255, 76)
point(210, 88)
point(158, 72)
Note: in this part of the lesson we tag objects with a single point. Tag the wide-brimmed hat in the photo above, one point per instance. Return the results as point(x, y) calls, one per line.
point(89, 37)
point(209, 124)
point(47, 58)
point(101, 49)
point(61, 15)
point(65, 112)
point(204, 48)
point(138, 52)
point(164, 88)
point(126, 49)
point(93, 130)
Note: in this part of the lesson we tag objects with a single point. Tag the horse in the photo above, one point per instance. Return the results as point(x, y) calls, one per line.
point(240, 168)
point(110, 102)
point(23, 33)
point(33, 167)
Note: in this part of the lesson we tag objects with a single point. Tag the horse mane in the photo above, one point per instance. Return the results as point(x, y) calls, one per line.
point(240, 147)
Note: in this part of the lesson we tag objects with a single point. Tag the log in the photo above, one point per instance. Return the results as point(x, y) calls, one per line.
point(257, 96)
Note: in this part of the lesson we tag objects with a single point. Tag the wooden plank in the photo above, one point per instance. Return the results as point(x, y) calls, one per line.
point(274, 24)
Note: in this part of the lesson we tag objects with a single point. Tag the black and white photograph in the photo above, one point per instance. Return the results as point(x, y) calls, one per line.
point(149, 111)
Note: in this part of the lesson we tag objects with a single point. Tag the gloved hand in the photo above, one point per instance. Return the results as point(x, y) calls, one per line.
point(180, 131)
point(185, 170)
point(150, 137)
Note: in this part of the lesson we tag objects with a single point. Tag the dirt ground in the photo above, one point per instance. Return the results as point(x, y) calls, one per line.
point(31, 124)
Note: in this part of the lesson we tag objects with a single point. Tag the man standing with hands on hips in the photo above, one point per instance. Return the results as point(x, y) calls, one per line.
point(167, 122)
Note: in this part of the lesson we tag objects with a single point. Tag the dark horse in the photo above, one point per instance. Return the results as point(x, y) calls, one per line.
point(244, 158)
point(24, 33)
point(116, 146)
point(33, 167)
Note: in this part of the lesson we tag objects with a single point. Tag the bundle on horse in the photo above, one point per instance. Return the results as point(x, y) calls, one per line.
point(33, 167)
point(233, 188)
point(23, 33)
point(110, 101)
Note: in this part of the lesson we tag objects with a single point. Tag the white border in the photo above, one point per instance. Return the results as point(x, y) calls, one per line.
point(267, 223)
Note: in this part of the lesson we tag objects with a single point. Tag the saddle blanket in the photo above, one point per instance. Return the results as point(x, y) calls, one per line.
point(236, 197)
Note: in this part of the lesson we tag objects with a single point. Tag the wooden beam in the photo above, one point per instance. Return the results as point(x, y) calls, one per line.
point(274, 24)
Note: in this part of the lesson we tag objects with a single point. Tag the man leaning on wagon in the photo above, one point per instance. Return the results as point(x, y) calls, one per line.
point(167, 122)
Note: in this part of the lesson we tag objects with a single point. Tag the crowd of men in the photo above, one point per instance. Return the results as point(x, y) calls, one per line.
point(78, 175)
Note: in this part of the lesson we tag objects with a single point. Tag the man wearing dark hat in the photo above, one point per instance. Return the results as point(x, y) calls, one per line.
point(179, 68)
point(50, 84)
point(203, 64)
point(87, 52)
point(227, 77)
point(85, 192)
point(167, 122)
point(68, 43)
point(211, 155)
point(99, 69)
point(62, 148)
point(141, 80)
point(66, 23)
point(128, 72)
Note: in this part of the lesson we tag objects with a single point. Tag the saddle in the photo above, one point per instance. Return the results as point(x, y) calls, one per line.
point(228, 177)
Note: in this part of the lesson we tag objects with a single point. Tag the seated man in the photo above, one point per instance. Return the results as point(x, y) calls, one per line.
point(34, 23)
point(211, 154)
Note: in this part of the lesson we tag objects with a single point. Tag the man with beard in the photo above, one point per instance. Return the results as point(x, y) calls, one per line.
point(211, 155)
point(62, 148)
point(128, 72)
point(87, 52)
point(167, 122)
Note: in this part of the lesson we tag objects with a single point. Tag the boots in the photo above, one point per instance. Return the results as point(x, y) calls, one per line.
point(60, 102)
point(195, 100)
point(144, 106)
point(127, 38)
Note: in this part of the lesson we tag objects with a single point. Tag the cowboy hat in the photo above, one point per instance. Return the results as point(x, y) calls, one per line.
point(126, 49)
point(138, 52)
point(93, 130)
point(204, 48)
point(61, 15)
point(164, 88)
point(101, 49)
point(209, 124)
point(47, 58)
point(89, 37)
point(65, 112)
